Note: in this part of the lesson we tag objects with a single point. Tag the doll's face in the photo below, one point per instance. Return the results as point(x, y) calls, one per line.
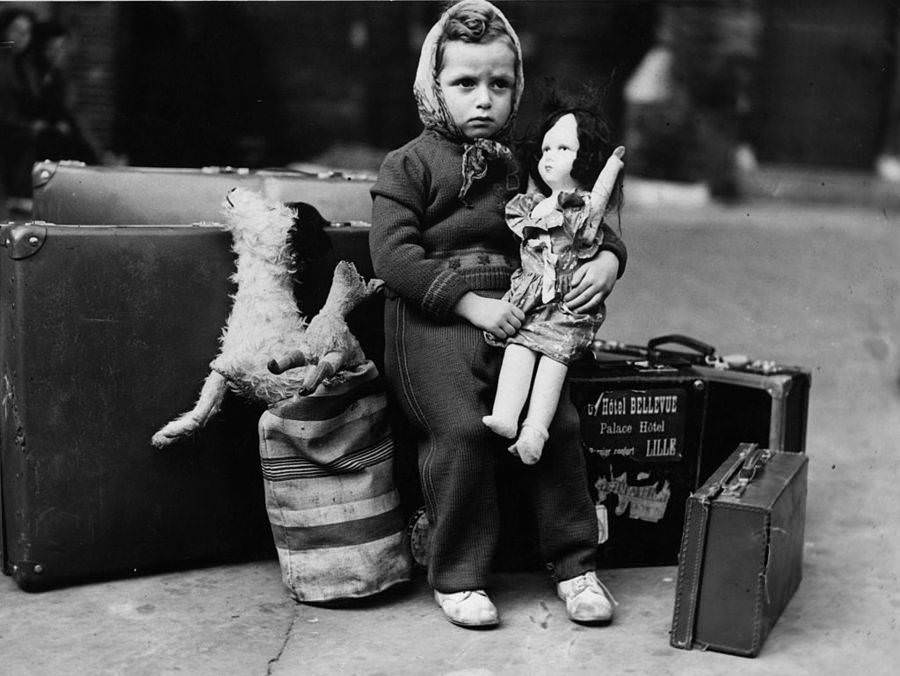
point(477, 81)
point(558, 151)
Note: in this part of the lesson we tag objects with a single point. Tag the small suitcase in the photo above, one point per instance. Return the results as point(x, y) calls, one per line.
point(107, 332)
point(742, 551)
point(71, 193)
point(656, 423)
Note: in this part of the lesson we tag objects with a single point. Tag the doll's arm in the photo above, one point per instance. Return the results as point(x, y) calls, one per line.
point(606, 181)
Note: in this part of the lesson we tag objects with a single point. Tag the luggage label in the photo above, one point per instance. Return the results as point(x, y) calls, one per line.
point(644, 425)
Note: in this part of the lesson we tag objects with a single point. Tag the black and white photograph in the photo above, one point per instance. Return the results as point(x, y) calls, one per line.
point(452, 337)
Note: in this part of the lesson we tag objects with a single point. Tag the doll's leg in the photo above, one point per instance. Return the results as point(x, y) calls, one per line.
point(548, 384)
point(512, 390)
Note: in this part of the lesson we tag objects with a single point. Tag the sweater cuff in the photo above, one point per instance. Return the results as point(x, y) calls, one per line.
point(443, 294)
point(617, 248)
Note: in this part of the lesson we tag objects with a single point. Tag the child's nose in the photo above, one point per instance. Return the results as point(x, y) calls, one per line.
point(483, 96)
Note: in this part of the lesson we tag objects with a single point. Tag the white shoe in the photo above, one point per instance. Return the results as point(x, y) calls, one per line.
point(468, 608)
point(587, 599)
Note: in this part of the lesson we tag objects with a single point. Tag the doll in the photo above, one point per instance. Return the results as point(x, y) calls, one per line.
point(559, 228)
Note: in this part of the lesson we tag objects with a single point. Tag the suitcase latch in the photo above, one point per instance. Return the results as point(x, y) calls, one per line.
point(24, 240)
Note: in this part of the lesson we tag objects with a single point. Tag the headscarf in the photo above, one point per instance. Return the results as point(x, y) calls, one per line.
point(433, 110)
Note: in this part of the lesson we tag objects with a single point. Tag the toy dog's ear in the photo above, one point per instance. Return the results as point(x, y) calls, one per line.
point(312, 258)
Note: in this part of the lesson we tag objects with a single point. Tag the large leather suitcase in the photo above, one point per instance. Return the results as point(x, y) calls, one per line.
point(742, 552)
point(656, 423)
point(106, 332)
point(70, 193)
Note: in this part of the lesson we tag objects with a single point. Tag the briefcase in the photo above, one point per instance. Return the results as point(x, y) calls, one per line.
point(71, 193)
point(107, 332)
point(656, 423)
point(741, 555)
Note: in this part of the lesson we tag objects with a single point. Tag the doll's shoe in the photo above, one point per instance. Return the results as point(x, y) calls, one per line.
point(587, 599)
point(468, 608)
point(499, 426)
point(530, 443)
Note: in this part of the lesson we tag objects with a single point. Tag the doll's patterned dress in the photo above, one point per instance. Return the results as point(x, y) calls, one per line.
point(552, 247)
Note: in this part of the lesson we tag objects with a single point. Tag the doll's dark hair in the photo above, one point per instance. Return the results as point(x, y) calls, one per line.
point(471, 22)
point(595, 142)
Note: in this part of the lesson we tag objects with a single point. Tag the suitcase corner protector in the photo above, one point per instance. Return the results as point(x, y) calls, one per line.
point(43, 172)
point(24, 240)
point(28, 575)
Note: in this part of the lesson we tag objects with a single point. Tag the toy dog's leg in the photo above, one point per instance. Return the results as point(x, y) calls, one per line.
point(548, 384)
point(288, 361)
point(207, 405)
point(512, 390)
point(328, 365)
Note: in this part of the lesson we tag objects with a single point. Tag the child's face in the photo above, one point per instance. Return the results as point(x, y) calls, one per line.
point(558, 151)
point(477, 81)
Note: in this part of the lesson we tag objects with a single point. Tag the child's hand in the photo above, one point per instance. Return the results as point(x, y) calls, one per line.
point(592, 282)
point(498, 317)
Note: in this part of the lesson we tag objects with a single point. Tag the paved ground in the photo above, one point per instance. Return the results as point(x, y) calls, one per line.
point(817, 286)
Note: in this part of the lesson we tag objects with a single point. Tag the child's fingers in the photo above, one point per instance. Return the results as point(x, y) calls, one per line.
point(579, 287)
point(578, 276)
point(498, 332)
point(518, 313)
point(585, 303)
point(581, 296)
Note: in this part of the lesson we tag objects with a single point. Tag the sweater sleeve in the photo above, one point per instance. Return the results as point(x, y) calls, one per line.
point(395, 241)
point(612, 242)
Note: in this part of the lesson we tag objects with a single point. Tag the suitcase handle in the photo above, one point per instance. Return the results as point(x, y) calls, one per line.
point(704, 350)
point(753, 462)
point(750, 459)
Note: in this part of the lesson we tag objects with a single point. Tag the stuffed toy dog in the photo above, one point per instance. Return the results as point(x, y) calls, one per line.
point(265, 328)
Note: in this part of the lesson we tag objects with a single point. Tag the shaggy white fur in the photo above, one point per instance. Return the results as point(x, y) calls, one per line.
point(264, 320)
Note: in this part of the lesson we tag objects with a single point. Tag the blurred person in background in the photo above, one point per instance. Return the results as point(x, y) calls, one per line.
point(690, 103)
point(18, 124)
point(60, 136)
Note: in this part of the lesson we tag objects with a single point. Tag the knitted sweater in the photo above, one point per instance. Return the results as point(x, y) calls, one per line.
point(427, 245)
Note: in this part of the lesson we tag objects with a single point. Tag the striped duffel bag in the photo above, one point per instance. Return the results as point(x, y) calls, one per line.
point(327, 465)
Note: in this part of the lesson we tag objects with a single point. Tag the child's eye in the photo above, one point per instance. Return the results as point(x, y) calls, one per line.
point(465, 82)
point(502, 84)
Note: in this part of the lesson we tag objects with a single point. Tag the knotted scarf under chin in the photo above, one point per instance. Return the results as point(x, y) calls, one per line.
point(477, 157)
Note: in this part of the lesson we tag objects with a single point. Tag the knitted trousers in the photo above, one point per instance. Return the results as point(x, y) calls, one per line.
point(444, 377)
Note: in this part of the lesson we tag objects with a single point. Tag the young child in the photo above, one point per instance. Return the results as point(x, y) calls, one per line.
point(440, 243)
point(558, 228)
